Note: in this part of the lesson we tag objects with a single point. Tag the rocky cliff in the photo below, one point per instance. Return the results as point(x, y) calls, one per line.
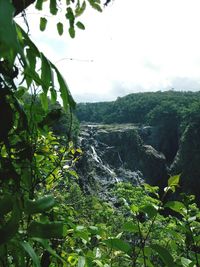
point(118, 152)
point(187, 160)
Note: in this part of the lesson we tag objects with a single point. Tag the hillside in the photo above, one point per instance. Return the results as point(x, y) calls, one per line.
point(139, 107)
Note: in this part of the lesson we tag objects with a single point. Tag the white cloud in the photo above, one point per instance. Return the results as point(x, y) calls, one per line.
point(133, 46)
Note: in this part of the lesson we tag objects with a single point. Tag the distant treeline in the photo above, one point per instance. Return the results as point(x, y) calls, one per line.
point(144, 108)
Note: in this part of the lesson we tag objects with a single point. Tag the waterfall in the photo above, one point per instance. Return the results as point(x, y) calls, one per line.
point(102, 164)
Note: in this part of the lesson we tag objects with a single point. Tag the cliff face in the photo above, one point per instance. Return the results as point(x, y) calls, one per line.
point(117, 153)
point(187, 160)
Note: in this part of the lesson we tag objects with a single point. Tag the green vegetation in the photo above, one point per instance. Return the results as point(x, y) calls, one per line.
point(45, 218)
point(140, 108)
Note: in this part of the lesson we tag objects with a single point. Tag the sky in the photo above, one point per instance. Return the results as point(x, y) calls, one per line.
point(132, 46)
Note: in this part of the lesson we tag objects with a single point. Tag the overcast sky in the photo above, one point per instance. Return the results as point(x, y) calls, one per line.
point(133, 46)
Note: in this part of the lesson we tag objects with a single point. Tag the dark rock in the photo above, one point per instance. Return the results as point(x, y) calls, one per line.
point(187, 160)
point(114, 153)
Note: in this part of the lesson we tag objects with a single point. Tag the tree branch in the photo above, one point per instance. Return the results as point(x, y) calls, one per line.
point(21, 5)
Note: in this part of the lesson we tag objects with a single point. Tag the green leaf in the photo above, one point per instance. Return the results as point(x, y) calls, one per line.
point(72, 32)
point(53, 7)
point(81, 232)
point(98, 263)
point(150, 210)
point(45, 244)
point(9, 45)
point(130, 227)
point(64, 91)
point(40, 205)
point(31, 73)
point(185, 262)
point(60, 28)
point(39, 4)
point(118, 244)
point(134, 208)
point(174, 180)
point(53, 95)
point(80, 25)
point(44, 101)
point(43, 24)
point(28, 248)
point(70, 16)
point(95, 5)
point(72, 259)
point(46, 230)
point(164, 255)
point(9, 230)
point(73, 173)
point(81, 261)
point(20, 91)
point(31, 58)
point(6, 205)
point(176, 206)
point(46, 72)
point(79, 10)
point(28, 42)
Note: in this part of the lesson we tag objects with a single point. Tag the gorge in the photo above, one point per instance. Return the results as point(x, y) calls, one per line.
point(141, 137)
point(119, 152)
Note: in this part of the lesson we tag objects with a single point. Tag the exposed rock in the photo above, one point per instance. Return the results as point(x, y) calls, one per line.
point(153, 166)
point(115, 153)
point(161, 139)
point(187, 160)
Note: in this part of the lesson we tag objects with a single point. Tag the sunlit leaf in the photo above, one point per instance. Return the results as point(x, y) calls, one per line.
point(173, 180)
point(150, 210)
point(134, 208)
point(72, 259)
point(81, 261)
point(176, 206)
point(186, 262)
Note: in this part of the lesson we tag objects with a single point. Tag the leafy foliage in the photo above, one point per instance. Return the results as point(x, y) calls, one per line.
point(45, 218)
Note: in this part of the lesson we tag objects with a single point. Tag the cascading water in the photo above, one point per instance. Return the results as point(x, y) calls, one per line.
point(104, 163)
